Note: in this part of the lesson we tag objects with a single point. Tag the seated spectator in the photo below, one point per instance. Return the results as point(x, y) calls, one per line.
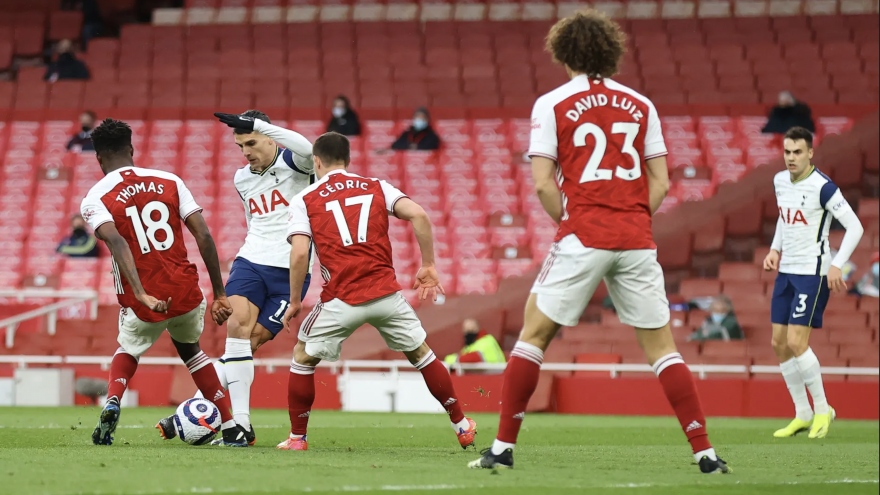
point(82, 141)
point(420, 135)
point(869, 285)
point(789, 113)
point(721, 323)
point(344, 121)
point(66, 65)
point(479, 346)
point(80, 243)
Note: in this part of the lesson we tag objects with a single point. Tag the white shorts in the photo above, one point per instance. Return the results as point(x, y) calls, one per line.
point(329, 324)
point(572, 272)
point(136, 336)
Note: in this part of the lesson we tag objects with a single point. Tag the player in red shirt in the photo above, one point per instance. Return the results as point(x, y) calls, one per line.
point(139, 214)
point(346, 217)
point(598, 160)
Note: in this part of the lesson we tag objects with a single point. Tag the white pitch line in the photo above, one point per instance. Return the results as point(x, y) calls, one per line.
point(136, 427)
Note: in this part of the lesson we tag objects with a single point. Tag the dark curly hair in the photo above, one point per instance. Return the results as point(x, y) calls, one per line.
point(587, 42)
point(112, 136)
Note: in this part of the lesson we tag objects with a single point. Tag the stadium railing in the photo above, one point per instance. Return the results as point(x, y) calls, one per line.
point(50, 311)
point(394, 367)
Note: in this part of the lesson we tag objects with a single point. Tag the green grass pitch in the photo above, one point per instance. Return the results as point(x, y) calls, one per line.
point(48, 451)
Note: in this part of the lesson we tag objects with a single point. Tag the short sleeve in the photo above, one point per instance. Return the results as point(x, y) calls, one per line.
point(543, 140)
point(188, 204)
point(655, 146)
point(94, 212)
point(298, 219)
point(301, 164)
point(392, 195)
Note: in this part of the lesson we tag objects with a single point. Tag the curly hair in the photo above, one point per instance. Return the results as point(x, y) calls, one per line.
point(587, 42)
point(112, 136)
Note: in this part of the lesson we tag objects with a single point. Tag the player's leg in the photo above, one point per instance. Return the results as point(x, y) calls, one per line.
point(559, 296)
point(811, 298)
point(185, 331)
point(781, 307)
point(402, 331)
point(637, 288)
point(320, 338)
point(135, 337)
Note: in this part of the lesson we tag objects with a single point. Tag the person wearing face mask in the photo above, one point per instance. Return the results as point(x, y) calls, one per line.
point(720, 324)
point(479, 346)
point(80, 243)
point(420, 135)
point(869, 285)
point(789, 113)
point(66, 65)
point(82, 141)
point(344, 121)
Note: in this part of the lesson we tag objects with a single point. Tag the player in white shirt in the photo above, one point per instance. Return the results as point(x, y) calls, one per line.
point(279, 167)
point(807, 274)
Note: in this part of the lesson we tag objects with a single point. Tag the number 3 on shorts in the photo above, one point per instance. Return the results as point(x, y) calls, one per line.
point(802, 303)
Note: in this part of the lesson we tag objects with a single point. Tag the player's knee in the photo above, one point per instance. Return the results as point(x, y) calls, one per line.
point(237, 326)
point(417, 354)
point(797, 345)
point(301, 357)
point(259, 336)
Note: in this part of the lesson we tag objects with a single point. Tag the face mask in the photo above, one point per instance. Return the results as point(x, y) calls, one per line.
point(338, 112)
point(420, 124)
point(717, 318)
point(875, 269)
point(86, 128)
point(470, 338)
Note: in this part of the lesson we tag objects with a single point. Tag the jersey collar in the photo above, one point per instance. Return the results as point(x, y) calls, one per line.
point(274, 160)
point(812, 169)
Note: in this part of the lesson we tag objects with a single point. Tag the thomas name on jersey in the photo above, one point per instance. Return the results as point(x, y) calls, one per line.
point(600, 100)
point(128, 192)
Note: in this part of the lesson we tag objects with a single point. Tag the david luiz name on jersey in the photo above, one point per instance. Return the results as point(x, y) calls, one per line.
point(600, 100)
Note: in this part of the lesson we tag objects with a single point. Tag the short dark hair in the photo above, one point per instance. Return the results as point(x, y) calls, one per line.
point(112, 136)
point(332, 147)
point(254, 114)
point(798, 133)
point(587, 42)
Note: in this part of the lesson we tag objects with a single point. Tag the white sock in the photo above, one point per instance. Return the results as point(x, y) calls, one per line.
point(221, 374)
point(498, 446)
point(797, 389)
point(239, 370)
point(811, 373)
point(227, 425)
point(710, 453)
point(461, 425)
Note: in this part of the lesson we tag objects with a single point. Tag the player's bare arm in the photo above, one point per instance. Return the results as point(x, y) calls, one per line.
point(658, 182)
point(427, 280)
point(299, 267)
point(544, 175)
point(220, 308)
point(125, 261)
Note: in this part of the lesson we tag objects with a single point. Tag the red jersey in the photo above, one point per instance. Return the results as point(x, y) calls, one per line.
point(600, 133)
point(346, 216)
point(148, 208)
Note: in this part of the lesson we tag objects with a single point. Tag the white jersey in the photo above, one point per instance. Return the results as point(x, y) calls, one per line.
point(803, 225)
point(267, 196)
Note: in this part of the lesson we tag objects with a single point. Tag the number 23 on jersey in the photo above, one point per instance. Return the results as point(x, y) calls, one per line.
point(592, 172)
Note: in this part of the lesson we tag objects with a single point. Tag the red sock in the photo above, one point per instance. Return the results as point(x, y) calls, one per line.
point(122, 368)
point(205, 376)
point(681, 392)
point(300, 396)
point(440, 384)
point(520, 382)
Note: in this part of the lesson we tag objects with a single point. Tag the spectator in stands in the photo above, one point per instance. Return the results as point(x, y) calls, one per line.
point(344, 121)
point(479, 346)
point(82, 141)
point(789, 113)
point(80, 243)
point(721, 323)
point(420, 135)
point(66, 65)
point(869, 285)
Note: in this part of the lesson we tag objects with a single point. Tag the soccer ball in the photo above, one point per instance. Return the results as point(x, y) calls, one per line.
point(197, 421)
